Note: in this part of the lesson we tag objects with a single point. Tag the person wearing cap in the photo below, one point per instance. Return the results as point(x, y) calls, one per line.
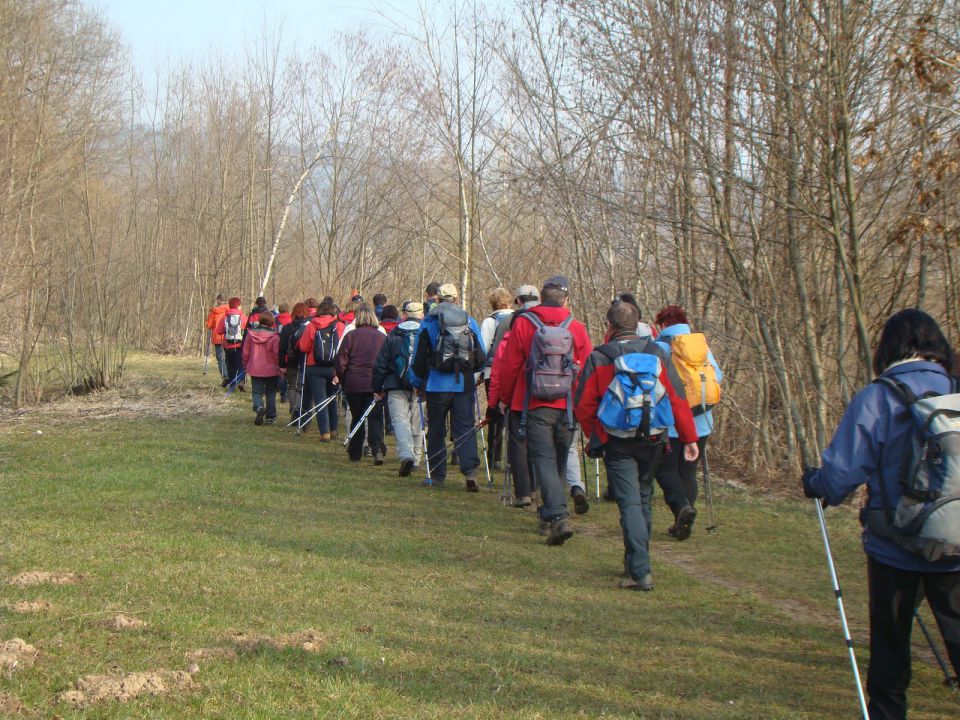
point(549, 429)
point(449, 392)
point(390, 379)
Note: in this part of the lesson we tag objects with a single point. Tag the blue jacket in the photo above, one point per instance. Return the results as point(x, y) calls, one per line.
point(874, 435)
point(704, 421)
point(425, 378)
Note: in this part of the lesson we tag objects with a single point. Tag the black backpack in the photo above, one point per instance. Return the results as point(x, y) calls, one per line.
point(325, 342)
point(455, 350)
point(289, 353)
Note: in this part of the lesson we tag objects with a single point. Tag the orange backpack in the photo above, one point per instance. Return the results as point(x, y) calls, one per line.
point(690, 357)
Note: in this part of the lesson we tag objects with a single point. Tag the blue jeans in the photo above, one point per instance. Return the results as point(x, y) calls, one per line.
point(631, 465)
point(548, 447)
point(316, 390)
point(221, 362)
point(265, 394)
point(459, 405)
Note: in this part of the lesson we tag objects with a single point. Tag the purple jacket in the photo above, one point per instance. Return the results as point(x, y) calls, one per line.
point(356, 358)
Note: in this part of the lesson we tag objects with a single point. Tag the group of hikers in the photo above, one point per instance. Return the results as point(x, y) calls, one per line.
point(641, 401)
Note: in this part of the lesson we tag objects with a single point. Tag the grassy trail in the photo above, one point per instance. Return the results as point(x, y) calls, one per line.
point(432, 604)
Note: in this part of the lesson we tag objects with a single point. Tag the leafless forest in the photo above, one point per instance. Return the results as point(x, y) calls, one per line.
point(788, 171)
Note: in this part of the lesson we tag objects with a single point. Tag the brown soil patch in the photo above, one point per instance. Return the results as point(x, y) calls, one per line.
point(15, 654)
point(123, 688)
point(308, 640)
point(41, 577)
point(9, 705)
point(214, 653)
point(30, 606)
point(124, 622)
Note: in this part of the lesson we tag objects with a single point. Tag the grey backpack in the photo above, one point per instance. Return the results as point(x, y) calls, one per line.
point(926, 520)
point(550, 367)
point(455, 350)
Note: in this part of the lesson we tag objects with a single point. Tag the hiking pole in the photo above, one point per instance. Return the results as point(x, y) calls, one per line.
point(423, 436)
point(303, 381)
point(458, 441)
point(483, 440)
point(708, 493)
point(206, 353)
point(949, 680)
point(359, 423)
point(598, 478)
point(506, 492)
point(843, 614)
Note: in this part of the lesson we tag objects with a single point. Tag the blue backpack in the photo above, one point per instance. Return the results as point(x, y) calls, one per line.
point(404, 358)
point(636, 404)
point(926, 520)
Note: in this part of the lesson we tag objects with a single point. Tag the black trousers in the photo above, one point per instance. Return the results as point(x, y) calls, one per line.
point(677, 477)
point(359, 402)
point(894, 595)
point(517, 457)
point(495, 431)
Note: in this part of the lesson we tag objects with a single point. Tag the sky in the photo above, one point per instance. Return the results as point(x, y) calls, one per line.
point(161, 33)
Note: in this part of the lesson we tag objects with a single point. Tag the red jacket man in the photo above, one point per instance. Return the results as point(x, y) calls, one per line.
point(548, 429)
point(631, 462)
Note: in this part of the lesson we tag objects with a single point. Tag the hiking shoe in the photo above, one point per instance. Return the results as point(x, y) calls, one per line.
point(261, 413)
point(580, 504)
point(472, 483)
point(684, 524)
point(522, 502)
point(269, 421)
point(241, 388)
point(324, 437)
point(377, 458)
point(560, 532)
point(644, 584)
point(224, 383)
point(367, 450)
point(405, 467)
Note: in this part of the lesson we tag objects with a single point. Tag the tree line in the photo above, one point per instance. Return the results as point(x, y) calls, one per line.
point(787, 171)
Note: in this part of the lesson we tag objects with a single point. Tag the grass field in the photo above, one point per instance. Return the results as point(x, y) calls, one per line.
point(229, 539)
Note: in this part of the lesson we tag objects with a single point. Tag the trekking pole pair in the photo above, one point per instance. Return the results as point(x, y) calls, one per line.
point(949, 680)
point(457, 441)
point(483, 439)
point(359, 423)
point(312, 412)
point(423, 435)
point(233, 384)
point(506, 491)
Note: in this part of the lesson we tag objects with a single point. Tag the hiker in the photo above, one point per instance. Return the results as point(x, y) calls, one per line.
point(291, 360)
point(550, 341)
point(312, 305)
point(499, 301)
point(259, 306)
point(448, 352)
point(630, 440)
point(230, 328)
point(319, 342)
point(213, 320)
point(430, 297)
point(284, 318)
point(676, 476)
point(873, 445)
point(347, 317)
point(389, 318)
point(354, 367)
point(526, 297)
point(379, 302)
point(260, 353)
point(390, 377)
point(645, 331)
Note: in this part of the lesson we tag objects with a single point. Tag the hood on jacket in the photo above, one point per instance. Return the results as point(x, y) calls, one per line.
point(550, 314)
point(259, 335)
point(322, 321)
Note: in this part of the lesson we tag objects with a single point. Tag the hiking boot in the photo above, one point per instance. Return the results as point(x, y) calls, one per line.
point(522, 502)
point(367, 450)
point(324, 437)
point(224, 383)
point(377, 458)
point(269, 421)
point(241, 388)
point(644, 584)
point(405, 467)
point(684, 524)
point(560, 532)
point(261, 413)
point(471, 480)
point(580, 504)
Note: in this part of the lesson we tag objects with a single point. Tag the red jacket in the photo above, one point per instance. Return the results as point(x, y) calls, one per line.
point(220, 327)
point(318, 323)
point(513, 377)
point(284, 319)
point(389, 325)
point(598, 373)
point(260, 353)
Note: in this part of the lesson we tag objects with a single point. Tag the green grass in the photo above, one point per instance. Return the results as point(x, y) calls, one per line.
point(447, 605)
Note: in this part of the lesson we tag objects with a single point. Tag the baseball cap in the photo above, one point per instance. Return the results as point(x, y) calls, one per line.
point(560, 282)
point(527, 291)
point(448, 290)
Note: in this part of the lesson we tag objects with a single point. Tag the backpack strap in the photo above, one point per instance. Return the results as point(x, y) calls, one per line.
point(907, 397)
